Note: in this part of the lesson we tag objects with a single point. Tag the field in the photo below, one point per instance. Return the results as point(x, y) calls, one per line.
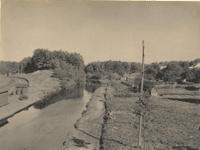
point(170, 125)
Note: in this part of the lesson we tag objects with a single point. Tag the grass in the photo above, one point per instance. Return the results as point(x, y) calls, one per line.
point(177, 91)
point(6, 82)
point(41, 82)
point(171, 125)
point(180, 94)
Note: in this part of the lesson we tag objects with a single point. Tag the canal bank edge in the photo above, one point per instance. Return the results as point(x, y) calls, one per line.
point(88, 128)
point(36, 91)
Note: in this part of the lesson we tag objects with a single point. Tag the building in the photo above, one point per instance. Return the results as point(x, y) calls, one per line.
point(162, 67)
point(196, 66)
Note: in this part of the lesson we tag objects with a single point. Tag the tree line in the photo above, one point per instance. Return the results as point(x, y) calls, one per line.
point(173, 70)
point(6, 66)
point(45, 59)
point(71, 65)
point(66, 66)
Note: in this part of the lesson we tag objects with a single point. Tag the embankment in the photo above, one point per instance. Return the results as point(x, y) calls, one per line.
point(88, 128)
point(40, 84)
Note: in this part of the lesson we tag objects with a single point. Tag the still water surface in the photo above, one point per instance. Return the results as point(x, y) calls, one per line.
point(43, 129)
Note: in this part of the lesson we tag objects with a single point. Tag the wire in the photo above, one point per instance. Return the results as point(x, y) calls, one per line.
point(151, 53)
point(4, 4)
point(157, 59)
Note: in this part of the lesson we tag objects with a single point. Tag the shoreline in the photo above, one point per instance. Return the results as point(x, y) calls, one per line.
point(88, 128)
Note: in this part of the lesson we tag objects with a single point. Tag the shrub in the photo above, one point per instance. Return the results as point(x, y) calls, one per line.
point(59, 73)
point(95, 77)
point(147, 85)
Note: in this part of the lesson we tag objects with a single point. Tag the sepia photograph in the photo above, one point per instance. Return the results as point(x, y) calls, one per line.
point(99, 75)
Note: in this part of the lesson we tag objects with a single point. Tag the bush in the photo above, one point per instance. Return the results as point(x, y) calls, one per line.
point(113, 76)
point(147, 85)
point(197, 76)
point(59, 73)
point(89, 75)
point(95, 77)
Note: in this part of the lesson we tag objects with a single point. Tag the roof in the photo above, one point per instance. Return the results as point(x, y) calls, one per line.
point(161, 67)
point(197, 66)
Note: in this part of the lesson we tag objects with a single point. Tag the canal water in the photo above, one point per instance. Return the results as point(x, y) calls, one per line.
point(46, 128)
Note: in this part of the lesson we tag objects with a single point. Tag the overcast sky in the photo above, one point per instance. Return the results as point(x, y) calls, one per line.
point(102, 31)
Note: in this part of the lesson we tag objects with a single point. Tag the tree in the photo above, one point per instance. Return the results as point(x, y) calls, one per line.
point(135, 67)
point(76, 60)
point(172, 71)
point(41, 59)
point(197, 75)
point(126, 66)
point(89, 68)
point(184, 65)
point(121, 72)
point(8, 66)
point(3, 67)
point(151, 71)
point(24, 63)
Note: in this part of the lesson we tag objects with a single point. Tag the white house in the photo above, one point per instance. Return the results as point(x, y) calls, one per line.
point(161, 67)
point(196, 66)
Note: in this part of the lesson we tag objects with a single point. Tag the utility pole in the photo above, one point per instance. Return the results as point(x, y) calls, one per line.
point(141, 94)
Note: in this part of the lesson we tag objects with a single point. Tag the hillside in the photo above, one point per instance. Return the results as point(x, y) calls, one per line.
point(6, 82)
point(40, 81)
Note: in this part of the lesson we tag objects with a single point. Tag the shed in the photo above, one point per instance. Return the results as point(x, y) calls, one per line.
point(22, 89)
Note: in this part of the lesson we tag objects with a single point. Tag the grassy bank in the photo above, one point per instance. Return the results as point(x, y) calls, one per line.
point(171, 125)
point(6, 82)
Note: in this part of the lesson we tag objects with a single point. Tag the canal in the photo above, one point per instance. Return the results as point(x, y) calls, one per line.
point(45, 127)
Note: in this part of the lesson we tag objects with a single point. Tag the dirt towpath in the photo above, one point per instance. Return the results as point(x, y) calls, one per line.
point(88, 128)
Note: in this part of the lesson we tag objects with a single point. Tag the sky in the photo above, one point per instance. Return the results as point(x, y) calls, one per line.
point(101, 31)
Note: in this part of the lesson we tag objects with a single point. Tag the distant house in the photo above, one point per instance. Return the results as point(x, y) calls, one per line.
point(162, 67)
point(191, 67)
point(124, 78)
point(196, 66)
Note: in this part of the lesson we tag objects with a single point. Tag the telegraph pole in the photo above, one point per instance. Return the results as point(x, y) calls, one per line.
point(141, 94)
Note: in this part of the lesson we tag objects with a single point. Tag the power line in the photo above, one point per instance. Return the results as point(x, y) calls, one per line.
point(157, 59)
point(152, 53)
point(4, 4)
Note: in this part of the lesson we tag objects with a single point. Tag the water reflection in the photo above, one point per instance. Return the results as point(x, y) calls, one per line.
point(3, 124)
point(57, 96)
point(45, 129)
point(91, 87)
point(76, 92)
